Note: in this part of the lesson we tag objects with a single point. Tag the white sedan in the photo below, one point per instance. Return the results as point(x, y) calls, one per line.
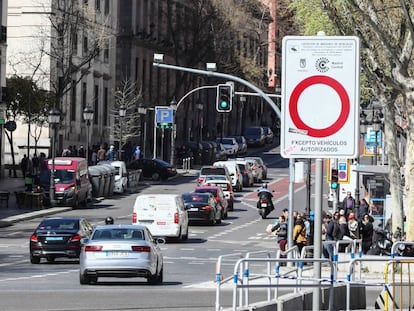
point(121, 251)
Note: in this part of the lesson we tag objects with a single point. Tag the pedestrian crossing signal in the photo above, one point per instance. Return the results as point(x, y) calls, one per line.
point(224, 98)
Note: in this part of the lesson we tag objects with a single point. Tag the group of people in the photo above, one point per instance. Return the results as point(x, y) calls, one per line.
point(348, 223)
point(103, 152)
point(302, 230)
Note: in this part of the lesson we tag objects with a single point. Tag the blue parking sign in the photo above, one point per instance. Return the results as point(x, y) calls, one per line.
point(164, 114)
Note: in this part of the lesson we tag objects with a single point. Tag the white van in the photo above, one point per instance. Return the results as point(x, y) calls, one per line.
point(121, 175)
point(163, 214)
point(235, 174)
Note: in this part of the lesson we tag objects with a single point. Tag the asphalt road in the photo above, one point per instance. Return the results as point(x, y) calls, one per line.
point(189, 271)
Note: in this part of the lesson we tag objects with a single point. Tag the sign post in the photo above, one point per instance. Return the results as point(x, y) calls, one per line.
point(320, 97)
point(320, 109)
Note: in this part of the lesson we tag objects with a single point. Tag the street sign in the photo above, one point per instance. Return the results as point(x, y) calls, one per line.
point(164, 114)
point(320, 97)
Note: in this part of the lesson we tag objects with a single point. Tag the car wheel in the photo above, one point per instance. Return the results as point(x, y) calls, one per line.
point(34, 260)
point(185, 236)
point(83, 279)
point(50, 259)
point(156, 278)
point(155, 176)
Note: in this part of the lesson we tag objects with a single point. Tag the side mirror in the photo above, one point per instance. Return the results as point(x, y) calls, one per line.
point(159, 241)
point(84, 240)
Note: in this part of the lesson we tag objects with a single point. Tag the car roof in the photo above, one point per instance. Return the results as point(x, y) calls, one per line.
point(120, 226)
point(217, 181)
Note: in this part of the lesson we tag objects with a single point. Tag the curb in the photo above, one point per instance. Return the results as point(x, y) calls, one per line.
point(8, 221)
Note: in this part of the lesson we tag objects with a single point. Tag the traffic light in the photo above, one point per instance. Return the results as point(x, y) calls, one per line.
point(334, 178)
point(224, 99)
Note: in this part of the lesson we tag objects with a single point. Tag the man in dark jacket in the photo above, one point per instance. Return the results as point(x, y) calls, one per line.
point(348, 204)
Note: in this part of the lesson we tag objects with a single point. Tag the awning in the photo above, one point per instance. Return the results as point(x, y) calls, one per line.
point(371, 169)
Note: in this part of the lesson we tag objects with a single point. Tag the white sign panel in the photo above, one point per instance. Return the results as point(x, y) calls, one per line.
point(320, 97)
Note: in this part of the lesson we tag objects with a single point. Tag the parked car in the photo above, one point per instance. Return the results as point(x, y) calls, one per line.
point(218, 195)
point(212, 170)
point(58, 237)
point(230, 144)
point(221, 154)
point(256, 169)
point(156, 169)
point(255, 136)
point(241, 141)
point(268, 135)
point(235, 174)
point(261, 164)
point(246, 172)
point(163, 214)
point(121, 251)
point(202, 207)
point(227, 188)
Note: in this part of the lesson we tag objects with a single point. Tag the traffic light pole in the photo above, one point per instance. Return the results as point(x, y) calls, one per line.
point(225, 76)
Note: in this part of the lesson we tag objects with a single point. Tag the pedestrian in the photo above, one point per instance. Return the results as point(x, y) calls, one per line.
point(24, 165)
point(137, 153)
point(363, 209)
point(332, 234)
point(299, 233)
point(101, 153)
point(94, 156)
point(111, 154)
point(35, 165)
point(366, 230)
point(348, 203)
point(280, 230)
point(353, 227)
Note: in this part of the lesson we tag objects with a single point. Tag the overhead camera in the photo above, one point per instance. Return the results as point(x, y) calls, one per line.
point(158, 58)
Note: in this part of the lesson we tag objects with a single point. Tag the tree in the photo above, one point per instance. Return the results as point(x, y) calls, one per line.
point(26, 101)
point(127, 95)
point(386, 31)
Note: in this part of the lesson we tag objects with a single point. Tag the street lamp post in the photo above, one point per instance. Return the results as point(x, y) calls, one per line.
point(242, 102)
point(88, 117)
point(376, 122)
point(122, 113)
point(173, 105)
point(199, 108)
point(143, 112)
point(363, 124)
point(54, 119)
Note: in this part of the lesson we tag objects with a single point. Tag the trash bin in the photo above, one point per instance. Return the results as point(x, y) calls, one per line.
point(105, 180)
point(109, 172)
point(97, 182)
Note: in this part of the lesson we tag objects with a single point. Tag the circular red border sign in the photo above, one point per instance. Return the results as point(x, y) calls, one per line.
point(345, 106)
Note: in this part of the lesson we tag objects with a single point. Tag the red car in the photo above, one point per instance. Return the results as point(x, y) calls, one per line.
point(218, 195)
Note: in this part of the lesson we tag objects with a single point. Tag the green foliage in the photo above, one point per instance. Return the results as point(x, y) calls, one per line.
point(311, 17)
point(25, 99)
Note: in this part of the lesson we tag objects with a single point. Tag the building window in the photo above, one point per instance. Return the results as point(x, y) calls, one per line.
point(75, 43)
point(105, 107)
point(96, 102)
point(84, 95)
point(73, 102)
point(106, 53)
point(85, 44)
point(106, 9)
point(98, 5)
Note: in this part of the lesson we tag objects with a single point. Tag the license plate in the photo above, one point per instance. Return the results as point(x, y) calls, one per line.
point(193, 209)
point(117, 254)
point(264, 205)
point(161, 223)
point(54, 238)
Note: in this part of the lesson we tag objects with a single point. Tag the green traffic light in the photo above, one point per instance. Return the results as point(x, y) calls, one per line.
point(224, 104)
point(334, 185)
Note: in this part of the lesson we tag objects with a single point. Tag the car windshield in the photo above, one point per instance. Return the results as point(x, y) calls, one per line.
point(227, 141)
point(196, 198)
point(118, 234)
point(212, 171)
point(61, 177)
point(253, 131)
point(161, 162)
point(213, 191)
point(59, 224)
point(215, 177)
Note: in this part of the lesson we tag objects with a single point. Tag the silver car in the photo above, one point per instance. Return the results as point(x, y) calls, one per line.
point(121, 251)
